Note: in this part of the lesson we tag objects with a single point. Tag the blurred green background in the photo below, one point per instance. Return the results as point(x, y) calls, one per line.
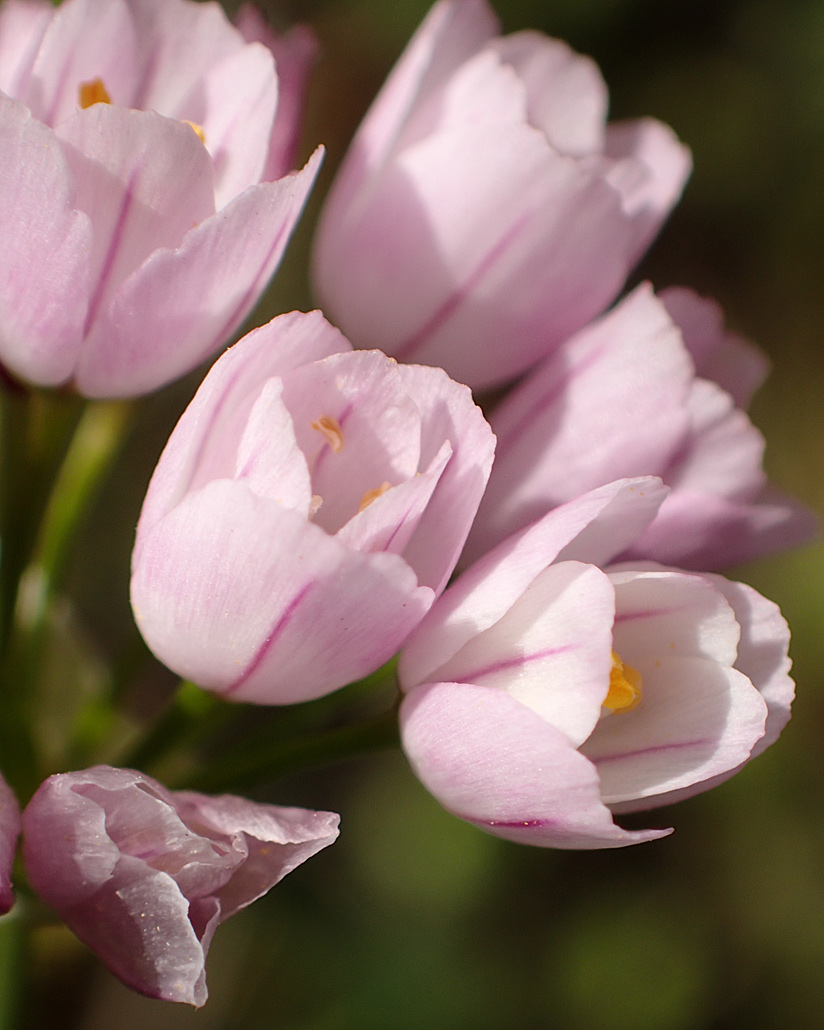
point(414, 919)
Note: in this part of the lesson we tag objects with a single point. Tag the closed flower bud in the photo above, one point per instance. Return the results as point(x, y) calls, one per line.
point(485, 211)
point(144, 876)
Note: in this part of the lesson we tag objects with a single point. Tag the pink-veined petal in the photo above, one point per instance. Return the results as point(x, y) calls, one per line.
point(490, 760)
point(609, 403)
point(182, 303)
point(593, 528)
point(551, 650)
point(263, 606)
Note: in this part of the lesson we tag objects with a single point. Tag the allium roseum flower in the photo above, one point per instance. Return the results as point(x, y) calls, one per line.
point(485, 211)
point(633, 394)
point(9, 832)
point(547, 690)
point(137, 233)
point(307, 509)
point(144, 876)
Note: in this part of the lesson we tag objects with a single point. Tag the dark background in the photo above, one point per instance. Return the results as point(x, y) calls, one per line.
point(414, 919)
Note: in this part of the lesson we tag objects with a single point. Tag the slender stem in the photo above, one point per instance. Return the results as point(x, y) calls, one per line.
point(12, 966)
point(248, 768)
point(231, 736)
point(94, 444)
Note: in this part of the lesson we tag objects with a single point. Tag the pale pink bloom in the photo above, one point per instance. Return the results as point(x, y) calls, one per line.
point(306, 511)
point(9, 832)
point(144, 875)
point(547, 690)
point(137, 233)
point(633, 394)
point(485, 211)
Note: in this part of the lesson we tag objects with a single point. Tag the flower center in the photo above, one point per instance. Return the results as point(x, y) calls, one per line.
point(92, 92)
point(372, 495)
point(624, 687)
point(201, 135)
point(329, 428)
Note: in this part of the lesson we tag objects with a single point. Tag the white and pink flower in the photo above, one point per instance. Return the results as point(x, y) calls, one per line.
point(139, 225)
point(306, 511)
point(547, 690)
point(485, 211)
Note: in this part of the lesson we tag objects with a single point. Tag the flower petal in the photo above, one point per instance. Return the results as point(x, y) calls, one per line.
point(144, 181)
point(666, 164)
point(592, 528)
point(490, 760)
point(237, 104)
point(378, 422)
point(295, 53)
point(22, 25)
point(735, 364)
point(205, 441)
point(552, 650)
point(41, 322)
point(180, 305)
point(447, 413)
point(84, 40)
point(609, 403)
point(567, 95)
point(9, 832)
point(251, 600)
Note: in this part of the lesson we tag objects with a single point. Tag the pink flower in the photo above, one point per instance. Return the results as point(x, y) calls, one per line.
point(546, 693)
point(485, 212)
point(633, 394)
point(9, 832)
point(144, 876)
point(307, 509)
point(137, 231)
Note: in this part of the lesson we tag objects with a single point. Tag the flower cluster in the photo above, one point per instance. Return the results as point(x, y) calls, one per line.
point(307, 513)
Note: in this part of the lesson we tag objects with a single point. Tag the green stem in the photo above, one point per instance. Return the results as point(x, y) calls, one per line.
point(95, 443)
point(12, 968)
point(35, 431)
point(249, 768)
point(196, 724)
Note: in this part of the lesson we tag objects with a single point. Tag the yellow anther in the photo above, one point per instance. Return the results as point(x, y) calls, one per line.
point(315, 505)
point(624, 687)
point(92, 92)
point(330, 430)
point(201, 135)
point(372, 495)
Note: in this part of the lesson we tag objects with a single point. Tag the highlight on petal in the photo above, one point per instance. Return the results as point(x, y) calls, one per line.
point(484, 275)
point(144, 876)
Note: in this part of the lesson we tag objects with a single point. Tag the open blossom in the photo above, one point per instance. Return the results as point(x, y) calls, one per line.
point(485, 211)
point(144, 876)
point(9, 832)
point(307, 509)
point(655, 387)
point(139, 228)
point(547, 690)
